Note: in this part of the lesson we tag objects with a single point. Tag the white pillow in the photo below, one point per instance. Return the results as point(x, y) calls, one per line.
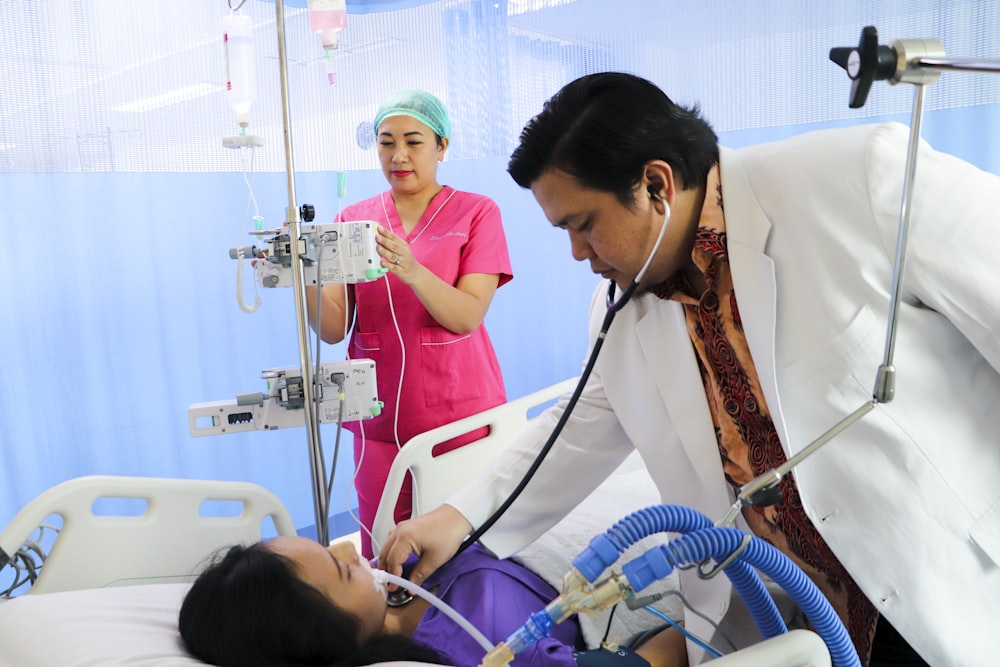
point(101, 627)
point(127, 625)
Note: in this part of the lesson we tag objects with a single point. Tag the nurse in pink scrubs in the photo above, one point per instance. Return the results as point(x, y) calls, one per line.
point(422, 324)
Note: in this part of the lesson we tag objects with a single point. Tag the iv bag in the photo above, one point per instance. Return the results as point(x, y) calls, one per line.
point(241, 71)
point(328, 17)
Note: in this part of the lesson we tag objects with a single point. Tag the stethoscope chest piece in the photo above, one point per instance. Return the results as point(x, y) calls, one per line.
point(399, 598)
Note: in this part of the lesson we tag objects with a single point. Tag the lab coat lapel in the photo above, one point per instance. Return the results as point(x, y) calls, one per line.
point(667, 350)
point(747, 229)
point(666, 345)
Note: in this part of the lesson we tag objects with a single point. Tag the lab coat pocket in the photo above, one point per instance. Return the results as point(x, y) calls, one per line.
point(852, 349)
point(445, 356)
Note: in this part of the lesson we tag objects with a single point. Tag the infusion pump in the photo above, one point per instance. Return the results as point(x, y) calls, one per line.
point(342, 391)
point(331, 253)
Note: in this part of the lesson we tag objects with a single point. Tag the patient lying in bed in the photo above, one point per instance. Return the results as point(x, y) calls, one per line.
point(290, 601)
point(136, 625)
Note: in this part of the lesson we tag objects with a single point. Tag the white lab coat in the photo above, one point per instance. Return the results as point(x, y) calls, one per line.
point(908, 497)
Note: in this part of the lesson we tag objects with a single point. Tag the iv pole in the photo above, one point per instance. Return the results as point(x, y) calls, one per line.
point(316, 462)
point(916, 61)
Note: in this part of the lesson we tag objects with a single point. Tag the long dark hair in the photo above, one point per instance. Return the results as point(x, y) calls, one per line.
point(249, 609)
point(603, 128)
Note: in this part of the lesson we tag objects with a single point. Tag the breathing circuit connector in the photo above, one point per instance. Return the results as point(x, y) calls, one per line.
point(499, 656)
point(605, 593)
point(535, 628)
point(573, 580)
point(575, 599)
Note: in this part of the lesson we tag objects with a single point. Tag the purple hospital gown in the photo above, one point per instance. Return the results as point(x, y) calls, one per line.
point(496, 596)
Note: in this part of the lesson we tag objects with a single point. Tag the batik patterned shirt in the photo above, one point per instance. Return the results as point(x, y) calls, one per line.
point(748, 442)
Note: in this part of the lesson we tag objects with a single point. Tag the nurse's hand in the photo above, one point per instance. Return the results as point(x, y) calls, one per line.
point(434, 537)
point(396, 256)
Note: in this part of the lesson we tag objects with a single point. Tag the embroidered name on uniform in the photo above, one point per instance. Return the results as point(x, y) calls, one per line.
point(444, 236)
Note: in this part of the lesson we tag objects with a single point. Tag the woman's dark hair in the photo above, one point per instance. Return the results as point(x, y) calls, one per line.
point(603, 128)
point(250, 609)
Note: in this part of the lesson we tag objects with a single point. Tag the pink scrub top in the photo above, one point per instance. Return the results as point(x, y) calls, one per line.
point(447, 376)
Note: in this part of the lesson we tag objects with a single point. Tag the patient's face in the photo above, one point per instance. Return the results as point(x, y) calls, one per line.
point(337, 573)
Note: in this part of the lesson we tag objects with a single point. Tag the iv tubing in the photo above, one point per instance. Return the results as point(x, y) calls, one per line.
point(708, 648)
point(437, 602)
point(251, 199)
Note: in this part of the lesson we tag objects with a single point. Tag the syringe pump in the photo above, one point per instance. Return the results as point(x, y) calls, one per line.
point(351, 383)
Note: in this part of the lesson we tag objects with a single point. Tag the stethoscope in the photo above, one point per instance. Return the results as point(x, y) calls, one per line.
point(613, 307)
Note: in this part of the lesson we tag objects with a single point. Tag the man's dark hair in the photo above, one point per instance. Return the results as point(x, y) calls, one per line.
point(603, 128)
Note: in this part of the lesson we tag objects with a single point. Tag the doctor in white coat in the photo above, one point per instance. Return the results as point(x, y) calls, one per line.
point(906, 502)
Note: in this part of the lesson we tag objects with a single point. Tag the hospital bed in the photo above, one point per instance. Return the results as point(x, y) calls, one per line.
point(110, 586)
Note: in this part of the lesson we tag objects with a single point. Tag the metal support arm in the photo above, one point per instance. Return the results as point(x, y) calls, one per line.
point(916, 61)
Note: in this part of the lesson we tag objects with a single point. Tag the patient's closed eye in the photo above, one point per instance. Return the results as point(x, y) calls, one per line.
point(340, 571)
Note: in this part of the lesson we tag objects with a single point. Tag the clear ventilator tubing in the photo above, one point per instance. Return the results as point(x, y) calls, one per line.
point(383, 577)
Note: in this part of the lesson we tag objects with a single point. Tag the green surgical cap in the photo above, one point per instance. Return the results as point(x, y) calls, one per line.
point(416, 104)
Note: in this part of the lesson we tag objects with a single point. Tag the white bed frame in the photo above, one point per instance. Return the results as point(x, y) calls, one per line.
point(170, 540)
point(437, 477)
point(167, 542)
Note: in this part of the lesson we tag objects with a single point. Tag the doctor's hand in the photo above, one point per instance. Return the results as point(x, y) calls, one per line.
point(434, 537)
point(397, 256)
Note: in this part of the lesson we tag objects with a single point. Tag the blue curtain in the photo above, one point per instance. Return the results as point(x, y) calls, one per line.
point(120, 311)
point(119, 307)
